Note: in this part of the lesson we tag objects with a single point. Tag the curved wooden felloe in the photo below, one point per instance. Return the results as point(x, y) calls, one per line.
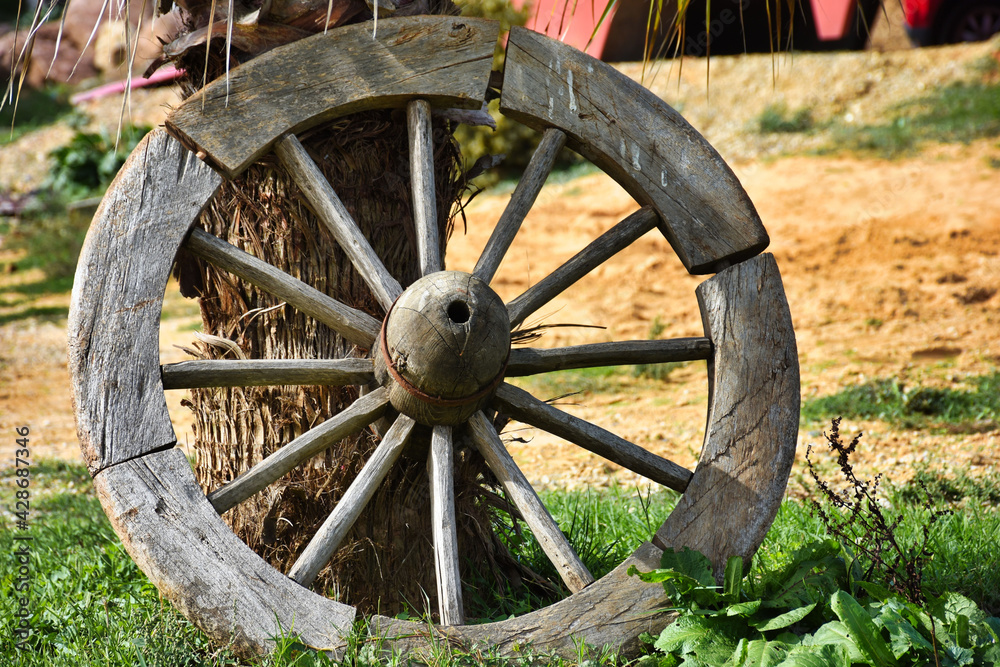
point(176, 537)
point(114, 321)
point(639, 140)
point(147, 488)
point(299, 85)
point(753, 416)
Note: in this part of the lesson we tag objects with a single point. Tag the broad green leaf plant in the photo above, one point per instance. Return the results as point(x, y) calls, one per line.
point(802, 616)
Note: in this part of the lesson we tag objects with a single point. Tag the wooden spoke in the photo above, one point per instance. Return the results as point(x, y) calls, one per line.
point(358, 327)
point(599, 251)
point(530, 360)
point(418, 120)
point(524, 407)
point(520, 203)
point(319, 550)
point(440, 464)
point(334, 214)
point(573, 572)
point(362, 412)
point(266, 372)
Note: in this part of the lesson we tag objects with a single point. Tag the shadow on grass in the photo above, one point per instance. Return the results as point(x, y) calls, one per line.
point(39, 288)
point(48, 313)
point(35, 109)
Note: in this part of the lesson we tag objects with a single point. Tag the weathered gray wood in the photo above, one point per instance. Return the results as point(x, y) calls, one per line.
point(329, 536)
point(532, 360)
point(440, 464)
point(638, 140)
point(356, 326)
point(521, 201)
point(524, 407)
point(612, 611)
point(359, 414)
point(338, 221)
point(202, 568)
point(235, 119)
point(447, 339)
point(266, 372)
point(753, 416)
point(596, 253)
point(114, 320)
point(418, 120)
point(559, 551)
point(174, 533)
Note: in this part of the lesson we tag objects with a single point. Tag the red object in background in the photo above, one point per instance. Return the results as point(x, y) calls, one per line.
point(819, 25)
point(571, 22)
point(163, 75)
point(930, 22)
point(918, 13)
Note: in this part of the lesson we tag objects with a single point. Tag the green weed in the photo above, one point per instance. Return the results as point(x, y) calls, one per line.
point(93, 607)
point(51, 235)
point(777, 118)
point(912, 407)
point(866, 596)
point(87, 164)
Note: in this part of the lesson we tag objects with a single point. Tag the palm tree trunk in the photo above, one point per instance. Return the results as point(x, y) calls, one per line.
point(386, 563)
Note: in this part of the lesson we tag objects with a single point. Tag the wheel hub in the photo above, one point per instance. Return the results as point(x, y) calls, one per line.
point(443, 348)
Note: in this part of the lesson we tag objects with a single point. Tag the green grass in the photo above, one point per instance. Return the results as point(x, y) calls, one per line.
point(957, 113)
point(604, 526)
point(599, 380)
point(957, 489)
point(965, 559)
point(92, 606)
point(965, 407)
point(779, 119)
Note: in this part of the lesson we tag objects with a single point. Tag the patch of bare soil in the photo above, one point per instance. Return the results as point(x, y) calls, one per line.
point(891, 270)
point(879, 260)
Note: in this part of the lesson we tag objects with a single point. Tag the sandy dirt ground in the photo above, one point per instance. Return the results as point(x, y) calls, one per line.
point(891, 269)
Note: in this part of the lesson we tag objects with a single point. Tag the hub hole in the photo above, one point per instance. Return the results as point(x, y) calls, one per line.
point(458, 312)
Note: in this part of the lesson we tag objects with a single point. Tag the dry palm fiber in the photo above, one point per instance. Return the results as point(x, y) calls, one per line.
point(387, 559)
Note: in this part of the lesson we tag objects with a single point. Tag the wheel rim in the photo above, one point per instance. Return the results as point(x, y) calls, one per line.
point(145, 482)
point(977, 24)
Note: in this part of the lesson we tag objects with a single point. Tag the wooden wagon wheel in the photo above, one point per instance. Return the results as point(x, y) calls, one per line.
point(174, 532)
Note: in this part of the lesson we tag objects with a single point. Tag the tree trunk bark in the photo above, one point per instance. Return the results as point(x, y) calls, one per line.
point(386, 561)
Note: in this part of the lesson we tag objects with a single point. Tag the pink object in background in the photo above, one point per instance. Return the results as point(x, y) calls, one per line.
point(832, 17)
point(162, 75)
point(570, 21)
